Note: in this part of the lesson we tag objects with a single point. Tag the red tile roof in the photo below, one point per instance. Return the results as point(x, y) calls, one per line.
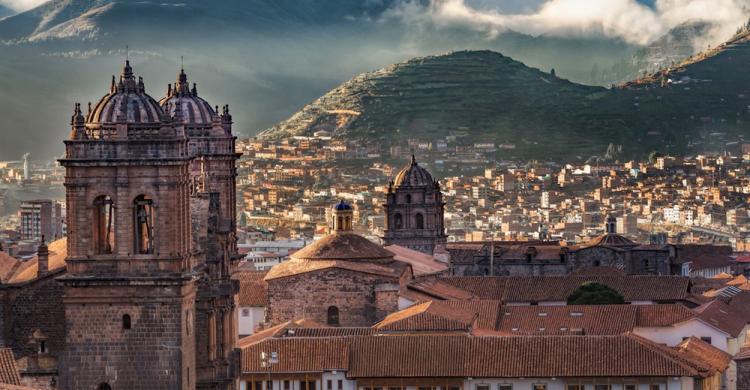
point(432, 316)
point(698, 349)
point(725, 317)
point(8, 369)
point(294, 267)
point(558, 288)
point(298, 354)
point(253, 289)
point(513, 357)
point(589, 319)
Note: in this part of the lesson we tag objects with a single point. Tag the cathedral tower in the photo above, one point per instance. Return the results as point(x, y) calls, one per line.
point(414, 210)
point(129, 290)
point(210, 141)
point(213, 180)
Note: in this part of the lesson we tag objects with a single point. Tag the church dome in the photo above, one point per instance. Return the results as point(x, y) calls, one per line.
point(414, 176)
point(342, 206)
point(127, 102)
point(343, 246)
point(195, 110)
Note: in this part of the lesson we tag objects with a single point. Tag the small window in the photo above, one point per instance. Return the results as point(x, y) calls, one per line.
point(576, 387)
point(483, 387)
point(269, 385)
point(340, 384)
point(246, 312)
point(540, 386)
point(630, 387)
point(706, 339)
point(104, 237)
point(602, 387)
point(506, 386)
point(42, 346)
point(286, 385)
point(329, 384)
point(419, 220)
point(104, 386)
point(398, 221)
point(126, 321)
point(654, 387)
point(333, 316)
point(408, 198)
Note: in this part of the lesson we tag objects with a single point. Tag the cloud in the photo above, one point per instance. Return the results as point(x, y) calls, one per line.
point(630, 20)
point(21, 5)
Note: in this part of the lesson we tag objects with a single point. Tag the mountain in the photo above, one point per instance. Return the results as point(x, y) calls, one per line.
point(5, 11)
point(266, 57)
point(495, 98)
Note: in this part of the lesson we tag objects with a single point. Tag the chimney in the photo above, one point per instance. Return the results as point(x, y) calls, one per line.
point(43, 259)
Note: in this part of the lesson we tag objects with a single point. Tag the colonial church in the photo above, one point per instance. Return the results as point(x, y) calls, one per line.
point(414, 210)
point(140, 294)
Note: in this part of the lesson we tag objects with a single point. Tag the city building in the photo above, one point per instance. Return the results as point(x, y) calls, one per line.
point(40, 218)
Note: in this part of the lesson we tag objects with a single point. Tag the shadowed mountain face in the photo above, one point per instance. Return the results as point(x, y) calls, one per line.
point(5, 11)
point(699, 105)
point(266, 58)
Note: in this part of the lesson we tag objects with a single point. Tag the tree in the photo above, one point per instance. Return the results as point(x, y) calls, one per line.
point(595, 293)
point(552, 72)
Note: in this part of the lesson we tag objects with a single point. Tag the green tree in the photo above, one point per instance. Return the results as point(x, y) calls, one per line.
point(595, 293)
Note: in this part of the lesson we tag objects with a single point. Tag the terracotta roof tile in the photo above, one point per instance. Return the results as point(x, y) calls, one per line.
point(58, 251)
point(421, 263)
point(589, 319)
point(432, 316)
point(530, 356)
point(253, 289)
point(725, 317)
point(8, 369)
point(698, 349)
point(558, 288)
point(298, 354)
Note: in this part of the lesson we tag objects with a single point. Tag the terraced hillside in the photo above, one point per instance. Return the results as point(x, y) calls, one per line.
point(494, 98)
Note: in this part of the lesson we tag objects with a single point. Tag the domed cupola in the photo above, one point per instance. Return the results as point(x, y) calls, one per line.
point(196, 112)
point(414, 175)
point(127, 102)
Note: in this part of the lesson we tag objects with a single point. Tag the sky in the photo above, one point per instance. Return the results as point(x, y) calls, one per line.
point(635, 21)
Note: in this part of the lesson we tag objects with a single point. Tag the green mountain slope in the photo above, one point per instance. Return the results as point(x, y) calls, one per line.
point(494, 98)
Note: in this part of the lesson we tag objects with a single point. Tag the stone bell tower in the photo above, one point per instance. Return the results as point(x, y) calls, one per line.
point(129, 290)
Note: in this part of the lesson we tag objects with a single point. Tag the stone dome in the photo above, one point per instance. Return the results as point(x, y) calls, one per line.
point(195, 110)
point(414, 176)
point(127, 102)
point(343, 246)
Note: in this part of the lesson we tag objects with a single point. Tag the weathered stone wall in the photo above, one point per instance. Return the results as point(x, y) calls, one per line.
point(309, 295)
point(155, 353)
point(743, 374)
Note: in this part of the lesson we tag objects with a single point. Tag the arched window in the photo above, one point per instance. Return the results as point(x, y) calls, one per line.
point(143, 216)
point(398, 221)
point(408, 198)
point(126, 321)
point(339, 223)
point(104, 386)
point(103, 231)
point(419, 221)
point(333, 316)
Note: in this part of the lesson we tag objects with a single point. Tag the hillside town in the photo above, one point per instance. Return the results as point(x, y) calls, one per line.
point(202, 261)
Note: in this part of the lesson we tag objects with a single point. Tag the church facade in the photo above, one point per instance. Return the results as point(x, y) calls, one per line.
point(414, 210)
point(139, 295)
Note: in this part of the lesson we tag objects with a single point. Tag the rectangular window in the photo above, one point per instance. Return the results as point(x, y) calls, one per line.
point(286, 385)
point(629, 387)
point(576, 387)
point(329, 384)
point(602, 387)
point(706, 339)
point(341, 385)
point(269, 385)
point(483, 387)
point(257, 385)
point(654, 387)
point(540, 386)
point(505, 386)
